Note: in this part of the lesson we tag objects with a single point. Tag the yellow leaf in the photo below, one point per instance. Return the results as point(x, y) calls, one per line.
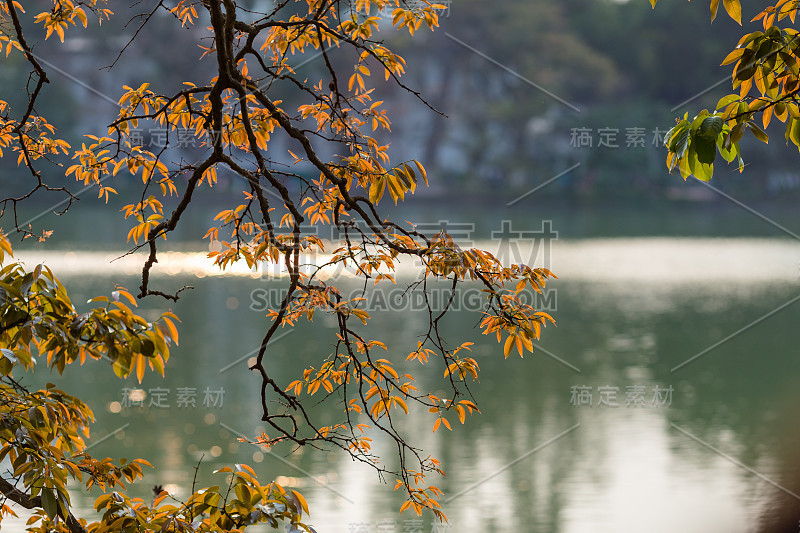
point(119, 165)
point(509, 344)
point(81, 15)
point(140, 366)
point(301, 500)
point(376, 190)
point(734, 9)
point(173, 331)
point(422, 171)
point(733, 56)
point(401, 403)
point(462, 415)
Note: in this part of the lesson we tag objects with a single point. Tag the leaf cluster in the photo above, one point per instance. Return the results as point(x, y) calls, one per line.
point(766, 78)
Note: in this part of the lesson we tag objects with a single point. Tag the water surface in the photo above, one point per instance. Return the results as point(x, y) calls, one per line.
point(687, 346)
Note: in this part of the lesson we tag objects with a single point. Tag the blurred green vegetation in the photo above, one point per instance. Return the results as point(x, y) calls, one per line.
point(516, 79)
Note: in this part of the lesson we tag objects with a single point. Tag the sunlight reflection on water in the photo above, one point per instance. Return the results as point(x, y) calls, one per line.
point(622, 259)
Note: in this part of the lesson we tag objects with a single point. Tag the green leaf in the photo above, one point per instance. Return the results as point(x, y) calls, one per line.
point(737, 132)
point(705, 148)
point(212, 499)
point(790, 63)
point(679, 140)
point(730, 153)
point(148, 348)
point(683, 166)
point(759, 134)
point(746, 73)
point(242, 492)
point(698, 120)
point(794, 131)
point(121, 369)
point(725, 101)
point(766, 49)
point(5, 366)
point(49, 503)
point(695, 167)
point(701, 171)
point(710, 127)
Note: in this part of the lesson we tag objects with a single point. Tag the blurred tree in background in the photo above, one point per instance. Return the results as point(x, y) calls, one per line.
point(619, 63)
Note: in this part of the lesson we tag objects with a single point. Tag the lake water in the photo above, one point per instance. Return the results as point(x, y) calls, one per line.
point(664, 401)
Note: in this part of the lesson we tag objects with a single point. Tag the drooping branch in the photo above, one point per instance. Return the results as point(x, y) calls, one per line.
point(346, 172)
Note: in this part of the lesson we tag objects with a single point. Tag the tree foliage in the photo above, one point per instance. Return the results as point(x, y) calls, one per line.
point(236, 121)
point(766, 81)
point(42, 432)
